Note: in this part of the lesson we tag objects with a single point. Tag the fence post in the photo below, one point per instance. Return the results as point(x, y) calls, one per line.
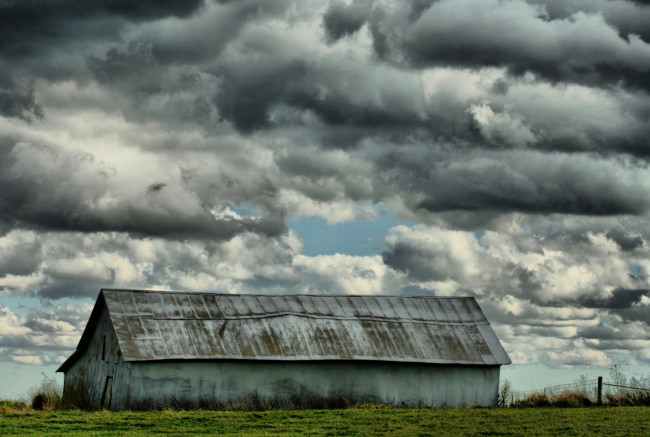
point(599, 398)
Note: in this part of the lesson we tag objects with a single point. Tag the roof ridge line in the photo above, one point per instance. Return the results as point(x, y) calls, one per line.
point(280, 295)
point(314, 316)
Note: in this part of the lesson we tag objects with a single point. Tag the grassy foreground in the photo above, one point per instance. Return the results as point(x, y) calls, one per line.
point(628, 421)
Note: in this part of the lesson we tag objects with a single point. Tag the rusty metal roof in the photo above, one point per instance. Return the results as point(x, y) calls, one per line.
point(155, 325)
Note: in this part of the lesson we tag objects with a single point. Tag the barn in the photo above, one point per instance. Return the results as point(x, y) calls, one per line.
point(150, 349)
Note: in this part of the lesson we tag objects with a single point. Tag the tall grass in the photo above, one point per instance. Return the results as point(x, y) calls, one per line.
point(572, 399)
point(639, 398)
point(47, 395)
point(12, 407)
point(253, 402)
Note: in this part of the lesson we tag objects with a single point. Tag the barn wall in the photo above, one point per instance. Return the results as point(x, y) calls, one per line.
point(159, 384)
point(85, 381)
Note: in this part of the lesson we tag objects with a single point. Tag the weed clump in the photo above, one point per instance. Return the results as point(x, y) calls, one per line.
point(47, 395)
point(533, 400)
point(570, 399)
point(372, 407)
point(504, 394)
point(629, 399)
point(566, 399)
point(10, 407)
point(573, 399)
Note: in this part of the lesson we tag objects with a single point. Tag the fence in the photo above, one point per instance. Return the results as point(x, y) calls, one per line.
point(594, 389)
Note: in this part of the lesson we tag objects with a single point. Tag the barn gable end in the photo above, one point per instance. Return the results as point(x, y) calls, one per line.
point(91, 370)
point(222, 349)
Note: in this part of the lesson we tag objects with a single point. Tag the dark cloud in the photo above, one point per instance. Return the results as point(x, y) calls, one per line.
point(530, 183)
point(58, 289)
point(435, 261)
point(609, 333)
point(135, 63)
point(18, 102)
point(246, 97)
point(635, 313)
point(341, 20)
point(511, 134)
point(487, 197)
point(378, 103)
point(24, 25)
point(204, 37)
point(628, 17)
point(138, 221)
point(625, 240)
point(418, 263)
point(43, 203)
point(343, 117)
point(156, 187)
point(22, 258)
point(619, 299)
point(448, 34)
point(372, 101)
point(50, 321)
point(525, 280)
point(148, 9)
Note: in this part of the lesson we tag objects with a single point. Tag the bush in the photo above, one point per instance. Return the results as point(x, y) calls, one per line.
point(504, 394)
point(47, 395)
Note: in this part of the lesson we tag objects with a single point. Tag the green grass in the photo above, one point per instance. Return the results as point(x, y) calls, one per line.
point(623, 421)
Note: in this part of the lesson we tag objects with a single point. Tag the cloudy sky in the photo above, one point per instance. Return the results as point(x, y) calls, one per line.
point(492, 148)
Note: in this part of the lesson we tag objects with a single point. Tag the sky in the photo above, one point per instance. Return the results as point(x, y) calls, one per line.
point(489, 148)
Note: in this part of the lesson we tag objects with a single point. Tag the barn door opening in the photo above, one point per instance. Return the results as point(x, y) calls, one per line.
point(106, 396)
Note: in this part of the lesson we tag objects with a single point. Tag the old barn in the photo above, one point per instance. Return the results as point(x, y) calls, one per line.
point(152, 349)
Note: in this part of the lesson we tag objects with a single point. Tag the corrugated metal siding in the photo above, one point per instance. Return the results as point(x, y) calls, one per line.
point(171, 325)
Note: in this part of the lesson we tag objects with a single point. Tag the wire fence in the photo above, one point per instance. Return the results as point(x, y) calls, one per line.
point(588, 387)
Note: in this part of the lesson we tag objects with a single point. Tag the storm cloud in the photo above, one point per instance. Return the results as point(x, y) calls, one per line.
point(581, 48)
point(179, 145)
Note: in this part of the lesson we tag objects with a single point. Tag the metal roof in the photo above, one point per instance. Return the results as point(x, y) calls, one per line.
point(155, 325)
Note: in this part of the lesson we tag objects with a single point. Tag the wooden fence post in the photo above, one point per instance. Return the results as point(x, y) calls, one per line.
point(600, 391)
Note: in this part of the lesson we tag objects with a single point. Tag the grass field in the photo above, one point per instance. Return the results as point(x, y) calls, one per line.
point(604, 421)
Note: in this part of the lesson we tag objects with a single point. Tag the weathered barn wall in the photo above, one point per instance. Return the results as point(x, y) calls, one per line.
point(85, 382)
point(159, 384)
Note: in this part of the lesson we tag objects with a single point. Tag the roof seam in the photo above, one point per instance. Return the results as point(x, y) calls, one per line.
point(480, 363)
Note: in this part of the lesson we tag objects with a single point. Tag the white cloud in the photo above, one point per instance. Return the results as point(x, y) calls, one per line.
point(10, 324)
point(578, 357)
point(345, 274)
point(331, 211)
